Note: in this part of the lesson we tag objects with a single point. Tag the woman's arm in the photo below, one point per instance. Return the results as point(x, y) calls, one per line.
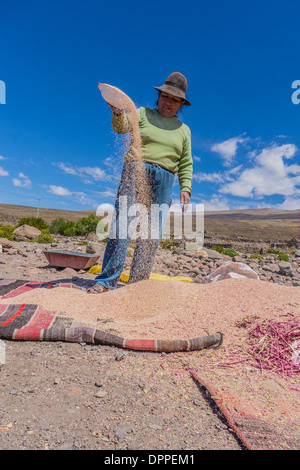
point(121, 121)
point(185, 200)
point(185, 167)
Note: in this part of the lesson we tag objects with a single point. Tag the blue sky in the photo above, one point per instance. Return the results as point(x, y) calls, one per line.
point(241, 59)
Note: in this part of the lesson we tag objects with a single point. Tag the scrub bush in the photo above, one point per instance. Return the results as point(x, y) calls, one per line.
point(7, 232)
point(283, 257)
point(225, 251)
point(45, 237)
point(82, 226)
point(36, 222)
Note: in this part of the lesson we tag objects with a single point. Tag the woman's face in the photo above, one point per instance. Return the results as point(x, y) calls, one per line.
point(168, 105)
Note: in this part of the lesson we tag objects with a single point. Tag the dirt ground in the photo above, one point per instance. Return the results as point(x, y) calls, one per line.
point(69, 396)
point(64, 396)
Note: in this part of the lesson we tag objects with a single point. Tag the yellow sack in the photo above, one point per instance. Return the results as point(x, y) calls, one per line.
point(97, 269)
point(153, 276)
point(164, 277)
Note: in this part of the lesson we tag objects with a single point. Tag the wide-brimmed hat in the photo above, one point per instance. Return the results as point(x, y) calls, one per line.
point(176, 85)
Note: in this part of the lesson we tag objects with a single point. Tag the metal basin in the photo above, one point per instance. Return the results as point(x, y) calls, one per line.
point(71, 259)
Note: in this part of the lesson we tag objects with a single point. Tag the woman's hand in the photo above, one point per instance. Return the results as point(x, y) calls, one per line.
point(185, 200)
point(116, 110)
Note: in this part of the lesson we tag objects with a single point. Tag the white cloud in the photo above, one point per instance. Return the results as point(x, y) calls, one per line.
point(1, 157)
point(107, 193)
point(3, 172)
point(290, 204)
point(22, 182)
point(208, 177)
point(216, 177)
point(81, 198)
point(94, 172)
point(59, 190)
point(228, 149)
point(270, 176)
point(83, 172)
point(216, 204)
point(234, 170)
point(67, 169)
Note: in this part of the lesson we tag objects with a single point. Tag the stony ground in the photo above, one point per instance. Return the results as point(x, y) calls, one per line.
point(72, 396)
point(79, 396)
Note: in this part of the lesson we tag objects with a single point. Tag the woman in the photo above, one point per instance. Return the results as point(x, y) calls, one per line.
point(166, 150)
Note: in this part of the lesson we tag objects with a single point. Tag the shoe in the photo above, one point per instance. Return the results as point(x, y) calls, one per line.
point(97, 289)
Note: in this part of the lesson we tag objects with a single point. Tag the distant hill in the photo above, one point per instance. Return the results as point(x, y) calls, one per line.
point(254, 214)
point(265, 224)
point(255, 224)
point(12, 213)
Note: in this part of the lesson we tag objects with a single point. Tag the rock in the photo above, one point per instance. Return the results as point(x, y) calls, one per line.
point(178, 251)
point(27, 231)
point(202, 254)
point(11, 251)
point(70, 272)
point(92, 236)
point(274, 268)
point(99, 383)
point(173, 272)
point(238, 259)
point(120, 355)
point(285, 267)
point(184, 258)
point(293, 243)
point(100, 394)
point(199, 279)
point(213, 254)
point(197, 402)
point(122, 430)
point(94, 248)
point(295, 273)
point(195, 271)
point(5, 243)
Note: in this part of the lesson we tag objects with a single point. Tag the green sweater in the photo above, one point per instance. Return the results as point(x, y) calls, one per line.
point(165, 142)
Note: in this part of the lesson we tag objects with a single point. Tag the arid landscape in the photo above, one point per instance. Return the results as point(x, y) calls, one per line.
point(260, 224)
point(276, 226)
point(64, 396)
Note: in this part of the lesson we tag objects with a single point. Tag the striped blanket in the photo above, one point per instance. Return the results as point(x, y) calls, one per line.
point(33, 322)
